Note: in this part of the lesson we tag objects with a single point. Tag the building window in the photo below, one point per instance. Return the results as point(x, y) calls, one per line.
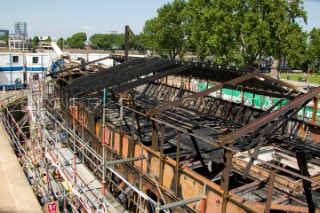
point(35, 60)
point(15, 59)
point(35, 77)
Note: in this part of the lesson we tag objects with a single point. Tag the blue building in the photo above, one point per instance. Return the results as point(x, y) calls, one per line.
point(4, 32)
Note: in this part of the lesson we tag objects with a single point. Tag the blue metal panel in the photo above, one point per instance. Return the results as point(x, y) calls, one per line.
point(11, 68)
point(36, 68)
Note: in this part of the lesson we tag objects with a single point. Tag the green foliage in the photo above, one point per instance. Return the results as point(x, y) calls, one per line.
point(102, 41)
point(166, 33)
point(4, 38)
point(35, 41)
point(48, 39)
point(60, 43)
point(77, 40)
point(114, 41)
point(233, 31)
point(313, 52)
point(119, 41)
point(296, 77)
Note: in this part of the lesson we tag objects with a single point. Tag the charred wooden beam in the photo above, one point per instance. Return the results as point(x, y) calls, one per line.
point(148, 79)
point(194, 96)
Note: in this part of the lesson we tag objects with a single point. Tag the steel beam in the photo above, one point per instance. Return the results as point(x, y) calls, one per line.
point(303, 166)
point(126, 42)
point(268, 118)
point(241, 79)
point(270, 192)
point(161, 164)
point(126, 160)
point(179, 203)
point(225, 177)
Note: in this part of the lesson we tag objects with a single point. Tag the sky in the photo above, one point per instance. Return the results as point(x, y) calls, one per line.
point(63, 18)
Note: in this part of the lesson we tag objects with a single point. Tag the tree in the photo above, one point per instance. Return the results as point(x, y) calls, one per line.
point(101, 41)
point(35, 41)
point(135, 42)
point(4, 38)
point(313, 52)
point(77, 40)
point(118, 41)
point(287, 38)
point(166, 33)
point(48, 40)
point(60, 43)
point(243, 31)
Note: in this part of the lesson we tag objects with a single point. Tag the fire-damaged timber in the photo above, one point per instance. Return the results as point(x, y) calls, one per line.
point(195, 137)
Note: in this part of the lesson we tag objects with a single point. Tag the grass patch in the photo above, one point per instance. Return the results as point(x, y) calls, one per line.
point(295, 76)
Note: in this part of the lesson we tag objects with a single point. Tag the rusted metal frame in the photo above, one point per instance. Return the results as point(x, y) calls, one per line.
point(78, 66)
point(279, 82)
point(136, 119)
point(194, 96)
point(126, 42)
point(148, 79)
point(241, 79)
point(269, 131)
point(303, 166)
point(284, 170)
point(281, 200)
point(124, 118)
point(156, 119)
point(269, 117)
point(289, 208)
point(124, 160)
point(178, 203)
point(196, 147)
point(314, 110)
point(155, 127)
point(246, 188)
point(225, 177)
point(177, 163)
point(161, 164)
point(270, 192)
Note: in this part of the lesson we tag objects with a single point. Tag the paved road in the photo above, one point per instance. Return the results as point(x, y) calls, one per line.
point(16, 195)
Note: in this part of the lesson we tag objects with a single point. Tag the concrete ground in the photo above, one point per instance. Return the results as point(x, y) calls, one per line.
point(16, 195)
